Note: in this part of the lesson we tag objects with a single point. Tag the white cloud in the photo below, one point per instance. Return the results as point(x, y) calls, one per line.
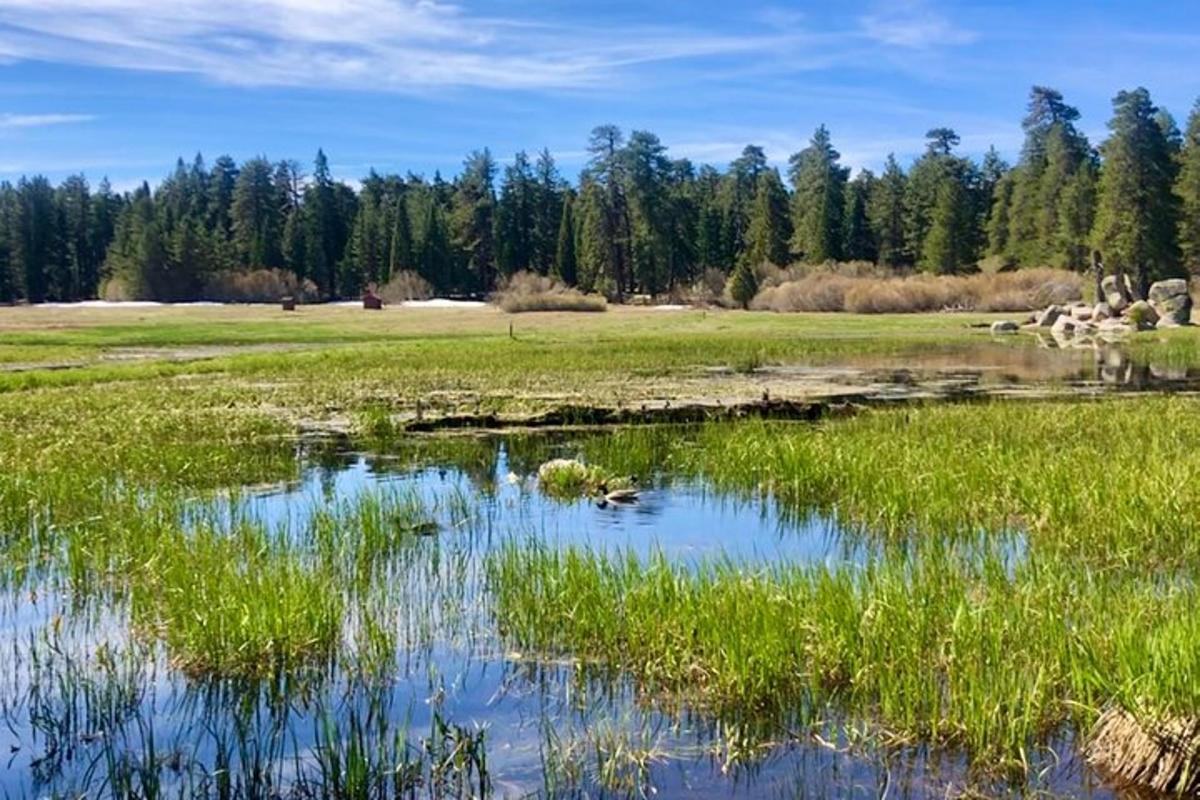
point(370, 44)
point(9, 121)
point(912, 24)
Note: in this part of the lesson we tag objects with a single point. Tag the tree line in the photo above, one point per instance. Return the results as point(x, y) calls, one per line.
point(636, 221)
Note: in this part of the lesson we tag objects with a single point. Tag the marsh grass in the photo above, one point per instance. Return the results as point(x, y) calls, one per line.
point(1017, 589)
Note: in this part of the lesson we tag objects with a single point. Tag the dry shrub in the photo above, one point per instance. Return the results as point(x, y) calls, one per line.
point(404, 286)
point(528, 291)
point(866, 289)
point(707, 290)
point(257, 286)
point(820, 291)
point(1162, 755)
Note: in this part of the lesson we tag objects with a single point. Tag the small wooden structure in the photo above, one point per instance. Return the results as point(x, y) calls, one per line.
point(372, 301)
point(288, 303)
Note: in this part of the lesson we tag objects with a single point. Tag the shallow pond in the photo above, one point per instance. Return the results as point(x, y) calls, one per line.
point(88, 709)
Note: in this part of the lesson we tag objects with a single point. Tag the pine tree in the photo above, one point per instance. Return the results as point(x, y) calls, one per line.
point(886, 211)
point(944, 206)
point(606, 238)
point(710, 248)
point(431, 247)
point(36, 244)
point(647, 173)
point(743, 284)
point(105, 208)
point(220, 196)
point(400, 248)
point(547, 212)
point(595, 251)
point(999, 218)
point(946, 247)
point(769, 231)
point(516, 212)
point(473, 218)
point(858, 242)
point(10, 283)
point(1136, 215)
point(1187, 187)
point(682, 208)
point(736, 197)
point(565, 266)
point(79, 271)
point(257, 227)
point(818, 201)
point(1076, 215)
point(1054, 150)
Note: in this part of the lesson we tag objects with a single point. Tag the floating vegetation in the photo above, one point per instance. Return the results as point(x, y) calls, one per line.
point(568, 479)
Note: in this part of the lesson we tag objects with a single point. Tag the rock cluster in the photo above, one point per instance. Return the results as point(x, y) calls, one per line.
point(1169, 305)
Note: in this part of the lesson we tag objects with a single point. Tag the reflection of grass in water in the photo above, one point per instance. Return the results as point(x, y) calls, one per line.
point(947, 636)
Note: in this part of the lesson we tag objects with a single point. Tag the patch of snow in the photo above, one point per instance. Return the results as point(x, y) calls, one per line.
point(670, 307)
point(121, 304)
point(442, 302)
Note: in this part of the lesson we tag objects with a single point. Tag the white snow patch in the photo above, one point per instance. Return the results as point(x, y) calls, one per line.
point(121, 304)
point(441, 302)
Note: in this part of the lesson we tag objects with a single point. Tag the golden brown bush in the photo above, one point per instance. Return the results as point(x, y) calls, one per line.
point(868, 290)
point(405, 285)
point(257, 286)
point(528, 291)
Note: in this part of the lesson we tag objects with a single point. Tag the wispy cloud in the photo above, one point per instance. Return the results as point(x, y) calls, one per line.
point(913, 24)
point(374, 44)
point(10, 121)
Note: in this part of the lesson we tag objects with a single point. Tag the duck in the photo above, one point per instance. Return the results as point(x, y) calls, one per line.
point(628, 493)
point(616, 496)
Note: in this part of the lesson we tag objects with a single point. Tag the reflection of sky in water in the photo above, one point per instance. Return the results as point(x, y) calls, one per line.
point(476, 681)
point(684, 521)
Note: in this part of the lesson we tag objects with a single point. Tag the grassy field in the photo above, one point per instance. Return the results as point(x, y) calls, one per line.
point(1032, 563)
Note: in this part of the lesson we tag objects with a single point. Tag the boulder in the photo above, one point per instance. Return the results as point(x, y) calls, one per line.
point(1048, 317)
point(1115, 295)
point(1067, 327)
point(1172, 302)
point(1142, 316)
point(1101, 312)
point(1161, 290)
point(1005, 326)
point(1081, 311)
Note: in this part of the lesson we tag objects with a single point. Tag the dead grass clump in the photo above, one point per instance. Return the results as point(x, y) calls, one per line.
point(706, 291)
point(821, 291)
point(527, 291)
point(862, 290)
point(1164, 757)
point(257, 286)
point(404, 286)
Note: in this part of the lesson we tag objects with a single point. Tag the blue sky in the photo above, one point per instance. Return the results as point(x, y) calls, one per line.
point(122, 87)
